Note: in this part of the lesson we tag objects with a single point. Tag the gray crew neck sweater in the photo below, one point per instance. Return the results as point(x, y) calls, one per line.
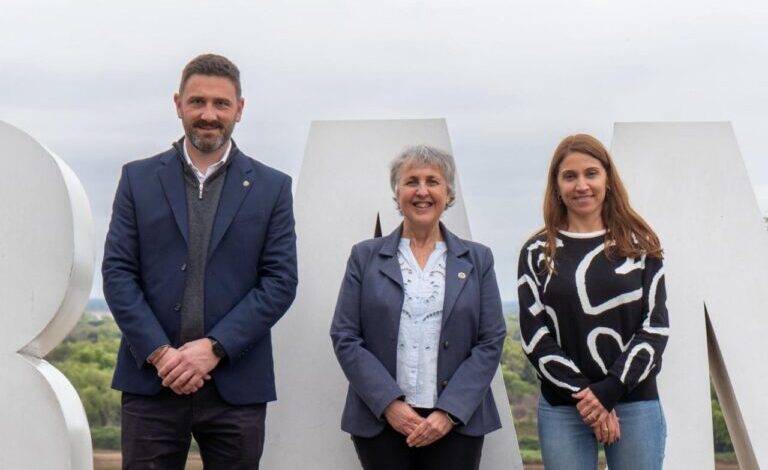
point(201, 211)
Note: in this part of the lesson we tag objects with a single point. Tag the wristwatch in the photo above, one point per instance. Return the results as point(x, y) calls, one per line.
point(218, 349)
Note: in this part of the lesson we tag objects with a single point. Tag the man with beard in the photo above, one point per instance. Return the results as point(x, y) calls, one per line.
point(199, 263)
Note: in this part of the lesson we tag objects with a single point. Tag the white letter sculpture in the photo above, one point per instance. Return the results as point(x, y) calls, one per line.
point(342, 190)
point(689, 180)
point(46, 270)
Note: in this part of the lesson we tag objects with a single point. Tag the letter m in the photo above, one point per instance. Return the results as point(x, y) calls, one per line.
point(689, 181)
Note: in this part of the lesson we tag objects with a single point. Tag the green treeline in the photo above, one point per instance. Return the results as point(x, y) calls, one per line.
point(87, 357)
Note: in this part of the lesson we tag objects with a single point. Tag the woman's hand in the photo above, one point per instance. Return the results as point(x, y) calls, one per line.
point(591, 410)
point(608, 432)
point(434, 427)
point(402, 417)
point(614, 429)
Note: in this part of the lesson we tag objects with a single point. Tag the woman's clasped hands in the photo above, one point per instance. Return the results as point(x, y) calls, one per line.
point(420, 431)
point(604, 424)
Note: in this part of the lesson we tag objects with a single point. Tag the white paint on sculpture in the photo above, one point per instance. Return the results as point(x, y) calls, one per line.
point(342, 189)
point(47, 258)
point(689, 181)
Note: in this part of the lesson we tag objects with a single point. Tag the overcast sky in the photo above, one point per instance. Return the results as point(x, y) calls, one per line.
point(93, 81)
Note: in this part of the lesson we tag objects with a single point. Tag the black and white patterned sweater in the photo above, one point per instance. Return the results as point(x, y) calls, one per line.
point(596, 323)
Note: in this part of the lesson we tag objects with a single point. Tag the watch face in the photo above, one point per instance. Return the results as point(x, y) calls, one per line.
point(218, 350)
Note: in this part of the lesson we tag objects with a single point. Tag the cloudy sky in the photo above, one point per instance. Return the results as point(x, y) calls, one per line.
point(93, 81)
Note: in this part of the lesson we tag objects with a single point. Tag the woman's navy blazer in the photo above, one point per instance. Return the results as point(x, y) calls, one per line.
point(366, 324)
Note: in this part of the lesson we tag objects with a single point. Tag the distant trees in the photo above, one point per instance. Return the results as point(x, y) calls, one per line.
point(523, 391)
point(87, 357)
point(722, 440)
point(519, 375)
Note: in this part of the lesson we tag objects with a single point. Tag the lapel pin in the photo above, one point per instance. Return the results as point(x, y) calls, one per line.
point(246, 183)
point(462, 275)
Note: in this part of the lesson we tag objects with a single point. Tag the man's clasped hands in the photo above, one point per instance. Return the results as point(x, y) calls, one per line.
point(185, 370)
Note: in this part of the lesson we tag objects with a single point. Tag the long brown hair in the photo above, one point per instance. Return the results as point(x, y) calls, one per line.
point(627, 234)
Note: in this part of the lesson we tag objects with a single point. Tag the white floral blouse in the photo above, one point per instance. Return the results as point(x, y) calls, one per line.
point(420, 324)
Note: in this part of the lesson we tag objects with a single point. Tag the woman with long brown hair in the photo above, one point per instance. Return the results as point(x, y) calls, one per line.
point(593, 317)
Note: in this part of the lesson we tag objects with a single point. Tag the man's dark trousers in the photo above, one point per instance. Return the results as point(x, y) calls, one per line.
point(157, 429)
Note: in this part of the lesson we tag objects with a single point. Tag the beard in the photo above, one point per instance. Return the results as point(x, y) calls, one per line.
point(208, 144)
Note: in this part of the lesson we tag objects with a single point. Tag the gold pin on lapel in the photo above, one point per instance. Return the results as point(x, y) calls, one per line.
point(462, 276)
point(246, 183)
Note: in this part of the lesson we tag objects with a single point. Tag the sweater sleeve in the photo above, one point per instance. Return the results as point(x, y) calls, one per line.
point(643, 353)
point(542, 345)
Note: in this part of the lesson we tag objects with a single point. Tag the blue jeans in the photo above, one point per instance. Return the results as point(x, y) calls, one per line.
point(569, 444)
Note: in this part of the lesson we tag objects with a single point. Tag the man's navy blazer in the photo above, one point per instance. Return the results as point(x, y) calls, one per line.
point(250, 273)
point(366, 324)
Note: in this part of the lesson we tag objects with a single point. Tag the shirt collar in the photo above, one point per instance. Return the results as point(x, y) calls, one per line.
point(211, 168)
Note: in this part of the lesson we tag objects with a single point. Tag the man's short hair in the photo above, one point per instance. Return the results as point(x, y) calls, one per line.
point(211, 64)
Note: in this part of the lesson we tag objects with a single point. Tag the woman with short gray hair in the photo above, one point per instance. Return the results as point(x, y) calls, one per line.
point(425, 155)
point(418, 331)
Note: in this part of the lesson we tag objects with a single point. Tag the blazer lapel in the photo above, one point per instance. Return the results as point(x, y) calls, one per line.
point(172, 180)
point(457, 271)
point(232, 195)
point(390, 266)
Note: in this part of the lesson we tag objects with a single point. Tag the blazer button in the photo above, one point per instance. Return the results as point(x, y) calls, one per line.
point(445, 345)
point(444, 383)
point(184, 267)
point(177, 307)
